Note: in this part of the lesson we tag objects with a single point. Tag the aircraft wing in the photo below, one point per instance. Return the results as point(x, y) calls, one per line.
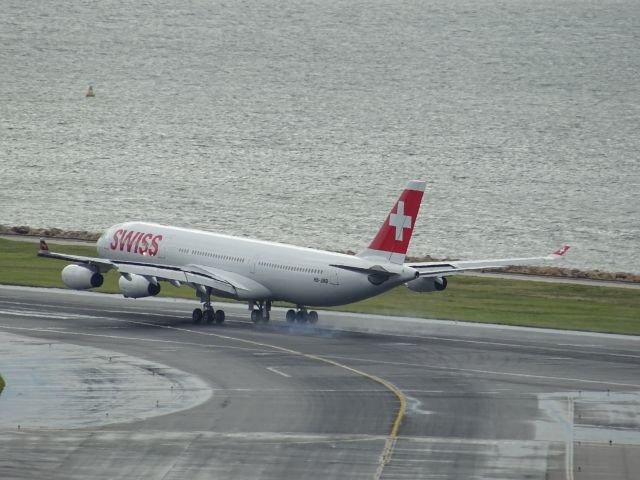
point(189, 274)
point(242, 287)
point(102, 264)
point(438, 269)
point(220, 281)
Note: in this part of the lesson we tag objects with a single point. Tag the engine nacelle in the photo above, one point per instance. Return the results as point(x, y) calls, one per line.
point(427, 284)
point(81, 277)
point(137, 286)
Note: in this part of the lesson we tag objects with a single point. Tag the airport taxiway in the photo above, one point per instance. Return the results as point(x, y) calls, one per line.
point(291, 401)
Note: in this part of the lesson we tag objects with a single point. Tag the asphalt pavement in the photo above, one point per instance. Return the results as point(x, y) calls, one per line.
point(292, 401)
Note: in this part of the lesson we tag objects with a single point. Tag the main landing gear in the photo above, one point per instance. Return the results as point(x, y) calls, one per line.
point(207, 313)
point(301, 315)
point(262, 314)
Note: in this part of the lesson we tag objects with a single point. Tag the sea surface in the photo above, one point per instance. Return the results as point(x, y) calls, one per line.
point(301, 121)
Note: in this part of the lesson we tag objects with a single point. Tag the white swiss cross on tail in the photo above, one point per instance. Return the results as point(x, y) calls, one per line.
point(400, 221)
point(392, 240)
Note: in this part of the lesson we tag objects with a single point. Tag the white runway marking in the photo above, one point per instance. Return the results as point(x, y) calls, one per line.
point(415, 406)
point(275, 370)
point(421, 391)
point(27, 313)
point(474, 371)
point(569, 440)
point(537, 347)
point(136, 339)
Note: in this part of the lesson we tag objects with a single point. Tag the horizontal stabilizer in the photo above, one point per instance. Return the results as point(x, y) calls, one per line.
point(376, 269)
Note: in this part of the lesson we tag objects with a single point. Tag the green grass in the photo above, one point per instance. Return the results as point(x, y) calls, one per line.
point(476, 299)
point(517, 302)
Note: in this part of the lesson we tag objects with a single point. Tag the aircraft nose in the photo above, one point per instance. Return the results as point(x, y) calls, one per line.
point(103, 238)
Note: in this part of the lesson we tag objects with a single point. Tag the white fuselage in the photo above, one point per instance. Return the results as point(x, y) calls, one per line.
point(302, 276)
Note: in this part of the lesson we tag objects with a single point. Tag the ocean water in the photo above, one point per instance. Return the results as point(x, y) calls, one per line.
point(301, 121)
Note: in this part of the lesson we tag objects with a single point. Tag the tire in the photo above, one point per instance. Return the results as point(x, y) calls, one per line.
point(313, 317)
point(291, 316)
point(256, 316)
point(196, 316)
point(209, 316)
point(220, 316)
point(301, 316)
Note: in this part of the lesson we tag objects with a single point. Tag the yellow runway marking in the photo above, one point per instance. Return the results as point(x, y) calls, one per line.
point(387, 451)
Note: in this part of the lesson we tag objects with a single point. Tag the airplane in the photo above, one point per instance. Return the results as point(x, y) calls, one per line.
point(261, 272)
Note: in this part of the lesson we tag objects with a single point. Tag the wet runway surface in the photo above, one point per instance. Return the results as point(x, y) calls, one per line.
point(291, 401)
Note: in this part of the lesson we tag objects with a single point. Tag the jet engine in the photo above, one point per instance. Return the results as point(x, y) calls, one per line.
point(137, 286)
point(81, 277)
point(427, 284)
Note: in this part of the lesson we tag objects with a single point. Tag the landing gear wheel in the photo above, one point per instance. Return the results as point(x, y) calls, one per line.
point(291, 316)
point(219, 316)
point(313, 317)
point(266, 317)
point(301, 316)
point(196, 316)
point(209, 315)
point(256, 316)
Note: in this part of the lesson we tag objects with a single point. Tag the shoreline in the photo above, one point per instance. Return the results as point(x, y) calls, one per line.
point(542, 271)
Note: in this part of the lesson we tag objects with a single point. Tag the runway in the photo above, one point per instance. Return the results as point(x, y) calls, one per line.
point(286, 401)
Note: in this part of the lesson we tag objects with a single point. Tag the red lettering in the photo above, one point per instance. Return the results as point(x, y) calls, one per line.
point(131, 240)
point(116, 239)
point(125, 239)
point(144, 244)
point(155, 245)
point(140, 235)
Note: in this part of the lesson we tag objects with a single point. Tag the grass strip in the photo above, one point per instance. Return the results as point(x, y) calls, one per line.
point(476, 299)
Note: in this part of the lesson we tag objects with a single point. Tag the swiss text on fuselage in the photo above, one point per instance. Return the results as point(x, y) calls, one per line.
point(140, 243)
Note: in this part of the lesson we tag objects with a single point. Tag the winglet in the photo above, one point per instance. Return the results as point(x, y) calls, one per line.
point(44, 248)
point(561, 251)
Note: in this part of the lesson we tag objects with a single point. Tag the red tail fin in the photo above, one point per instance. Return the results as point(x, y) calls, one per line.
point(392, 241)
